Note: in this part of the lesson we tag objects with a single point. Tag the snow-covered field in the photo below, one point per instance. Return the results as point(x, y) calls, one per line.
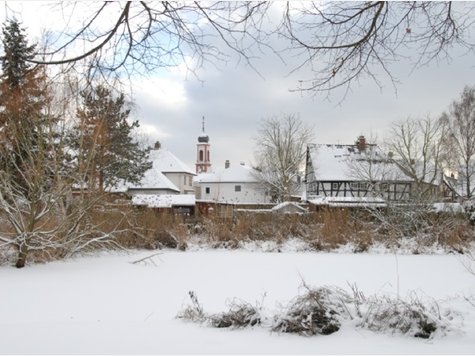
point(106, 304)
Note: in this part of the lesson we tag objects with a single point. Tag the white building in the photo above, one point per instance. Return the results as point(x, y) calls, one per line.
point(234, 184)
point(168, 175)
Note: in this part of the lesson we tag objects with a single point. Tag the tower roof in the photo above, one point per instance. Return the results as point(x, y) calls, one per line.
point(203, 138)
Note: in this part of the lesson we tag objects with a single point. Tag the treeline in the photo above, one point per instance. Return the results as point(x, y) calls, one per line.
point(56, 143)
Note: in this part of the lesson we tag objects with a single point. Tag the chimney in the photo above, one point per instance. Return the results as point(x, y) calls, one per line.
point(361, 143)
point(157, 145)
point(227, 164)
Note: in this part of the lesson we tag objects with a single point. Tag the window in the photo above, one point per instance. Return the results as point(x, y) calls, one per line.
point(184, 180)
point(359, 185)
point(237, 188)
point(335, 186)
point(207, 190)
point(201, 155)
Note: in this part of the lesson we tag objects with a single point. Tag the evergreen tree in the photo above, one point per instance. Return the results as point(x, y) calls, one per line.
point(23, 94)
point(17, 51)
point(27, 141)
point(107, 151)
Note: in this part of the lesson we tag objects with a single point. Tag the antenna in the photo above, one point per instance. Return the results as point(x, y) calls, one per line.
point(203, 124)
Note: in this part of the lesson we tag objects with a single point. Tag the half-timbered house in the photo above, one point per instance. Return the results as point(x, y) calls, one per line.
point(354, 172)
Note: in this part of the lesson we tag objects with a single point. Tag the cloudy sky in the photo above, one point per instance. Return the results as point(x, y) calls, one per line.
point(233, 98)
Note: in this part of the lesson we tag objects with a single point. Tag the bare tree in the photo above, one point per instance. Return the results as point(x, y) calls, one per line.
point(340, 41)
point(344, 41)
point(130, 37)
point(280, 154)
point(38, 211)
point(461, 121)
point(369, 164)
point(417, 146)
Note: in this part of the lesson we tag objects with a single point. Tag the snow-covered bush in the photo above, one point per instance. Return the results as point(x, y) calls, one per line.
point(325, 310)
point(240, 315)
point(412, 317)
point(318, 311)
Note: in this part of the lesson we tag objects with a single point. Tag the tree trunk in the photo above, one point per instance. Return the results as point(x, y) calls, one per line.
point(22, 254)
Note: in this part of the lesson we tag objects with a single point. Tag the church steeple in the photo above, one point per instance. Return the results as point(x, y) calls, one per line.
point(203, 163)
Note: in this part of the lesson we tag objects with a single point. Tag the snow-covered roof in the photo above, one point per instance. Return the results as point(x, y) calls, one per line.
point(333, 162)
point(163, 200)
point(163, 161)
point(288, 204)
point(166, 162)
point(154, 179)
point(448, 208)
point(233, 174)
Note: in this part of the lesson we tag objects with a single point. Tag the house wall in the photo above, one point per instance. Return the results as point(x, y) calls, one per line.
point(386, 190)
point(183, 181)
point(250, 193)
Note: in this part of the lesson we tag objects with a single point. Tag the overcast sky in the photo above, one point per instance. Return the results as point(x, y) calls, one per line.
point(233, 98)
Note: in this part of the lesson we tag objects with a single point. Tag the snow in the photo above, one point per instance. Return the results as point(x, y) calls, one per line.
point(233, 174)
point(165, 161)
point(154, 179)
point(348, 201)
point(448, 207)
point(335, 163)
point(163, 200)
point(288, 206)
point(105, 304)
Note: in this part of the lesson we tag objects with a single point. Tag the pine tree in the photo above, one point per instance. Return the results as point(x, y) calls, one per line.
point(17, 51)
point(107, 151)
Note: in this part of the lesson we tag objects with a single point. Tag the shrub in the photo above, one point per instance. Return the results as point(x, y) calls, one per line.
point(193, 312)
point(321, 311)
point(316, 312)
point(239, 315)
point(395, 315)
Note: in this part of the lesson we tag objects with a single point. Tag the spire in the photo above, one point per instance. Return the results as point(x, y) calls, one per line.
point(203, 137)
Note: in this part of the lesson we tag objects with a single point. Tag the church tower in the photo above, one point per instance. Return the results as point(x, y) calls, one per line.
point(203, 164)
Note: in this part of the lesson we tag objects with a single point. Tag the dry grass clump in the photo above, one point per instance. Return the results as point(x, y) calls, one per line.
point(193, 312)
point(323, 311)
point(315, 312)
point(411, 318)
point(150, 229)
point(240, 314)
